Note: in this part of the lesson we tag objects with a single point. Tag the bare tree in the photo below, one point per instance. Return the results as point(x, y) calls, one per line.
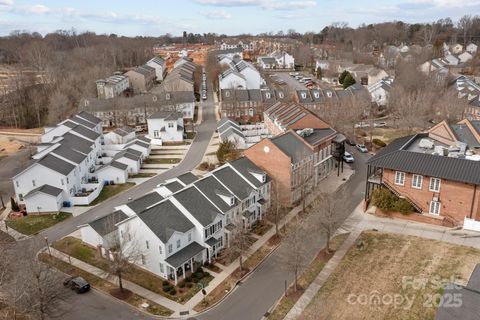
point(327, 208)
point(275, 209)
point(295, 255)
point(239, 245)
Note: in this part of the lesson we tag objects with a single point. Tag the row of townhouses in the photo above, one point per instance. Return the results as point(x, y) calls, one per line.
point(436, 171)
point(140, 79)
point(277, 60)
point(315, 99)
point(73, 162)
point(186, 221)
point(181, 76)
point(232, 44)
point(240, 74)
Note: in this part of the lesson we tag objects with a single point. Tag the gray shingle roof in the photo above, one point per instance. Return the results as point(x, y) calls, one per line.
point(106, 225)
point(69, 154)
point(90, 134)
point(187, 178)
point(118, 165)
point(395, 157)
point(164, 219)
point(77, 143)
point(211, 187)
point(83, 122)
point(170, 115)
point(47, 189)
point(184, 255)
point(174, 186)
point(140, 204)
point(199, 206)
point(292, 146)
point(56, 164)
point(90, 117)
point(240, 188)
point(319, 135)
point(246, 168)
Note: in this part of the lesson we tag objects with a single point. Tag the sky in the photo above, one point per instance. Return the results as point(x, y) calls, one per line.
point(156, 17)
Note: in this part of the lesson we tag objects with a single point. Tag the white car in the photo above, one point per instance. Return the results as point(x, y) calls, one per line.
point(347, 157)
point(362, 125)
point(362, 148)
point(380, 124)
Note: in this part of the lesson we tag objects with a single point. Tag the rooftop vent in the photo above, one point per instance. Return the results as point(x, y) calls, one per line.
point(426, 144)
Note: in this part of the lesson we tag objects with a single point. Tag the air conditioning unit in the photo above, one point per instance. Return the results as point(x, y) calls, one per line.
point(435, 199)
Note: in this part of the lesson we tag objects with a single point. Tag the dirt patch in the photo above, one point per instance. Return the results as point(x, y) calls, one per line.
point(119, 294)
point(385, 268)
point(9, 146)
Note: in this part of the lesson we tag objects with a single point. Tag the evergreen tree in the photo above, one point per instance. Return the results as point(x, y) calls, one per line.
point(348, 81)
point(342, 76)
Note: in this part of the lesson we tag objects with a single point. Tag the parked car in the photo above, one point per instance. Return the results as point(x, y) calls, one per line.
point(382, 124)
point(347, 157)
point(362, 125)
point(293, 74)
point(204, 95)
point(362, 148)
point(78, 284)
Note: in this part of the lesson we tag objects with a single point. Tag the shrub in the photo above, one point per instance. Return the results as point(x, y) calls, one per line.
point(173, 292)
point(403, 206)
point(188, 279)
point(200, 270)
point(165, 282)
point(196, 280)
point(167, 288)
point(181, 284)
point(189, 285)
point(203, 166)
point(383, 199)
point(379, 143)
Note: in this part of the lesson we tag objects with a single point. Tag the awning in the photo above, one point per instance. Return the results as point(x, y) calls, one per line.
point(230, 227)
point(247, 214)
point(262, 201)
point(212, 241)
point(184, 255)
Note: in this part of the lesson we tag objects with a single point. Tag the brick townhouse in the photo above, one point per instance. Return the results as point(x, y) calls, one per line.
point(437, 171)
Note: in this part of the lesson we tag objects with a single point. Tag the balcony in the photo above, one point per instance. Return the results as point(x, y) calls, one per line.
point(90, 192)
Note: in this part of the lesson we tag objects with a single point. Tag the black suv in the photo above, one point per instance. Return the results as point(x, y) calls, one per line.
point(78, 284)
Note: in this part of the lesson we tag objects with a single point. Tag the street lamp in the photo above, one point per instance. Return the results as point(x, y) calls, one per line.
point(48, 247)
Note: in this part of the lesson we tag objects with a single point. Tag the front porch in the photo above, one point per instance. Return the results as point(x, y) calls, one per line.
point(183, 263)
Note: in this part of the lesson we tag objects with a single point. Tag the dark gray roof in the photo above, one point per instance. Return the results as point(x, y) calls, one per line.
point(198, 206)
point(463, 134)
point(269, 60)
point(319, 135)
point(166, 115)
point(240, 188)
point(144, 139)
point(211, 187)
point(246, 168)
point(69, 154)
point(47, 189)
point(69, 124)
point(126, 154)
point(82, 121)
point(90, 134)
point(292, 146)
point(134, 152)
point(469, 297)
point(212, 241)
point(124, 131)
point(142, 144)
point(184, 255)
point(187, 178)
point(56, 164)
point(227, 51)
point(164, 219)
point(89, 117)
point(105, 225)
point(174, 186)
point(77, 143)
point(140, 204)
point(118, 165)
point(395, 157)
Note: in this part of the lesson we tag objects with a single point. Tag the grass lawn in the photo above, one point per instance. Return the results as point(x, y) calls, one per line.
point(385, 268)
point(162, 161)
point(387, 135)
point(101, 284)
point(34, 223)
point(261, 227)
point(305, 279)
point(110, 191)
point(143, 175)
point(143, 278)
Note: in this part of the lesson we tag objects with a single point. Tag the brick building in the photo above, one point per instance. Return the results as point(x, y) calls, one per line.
point(438, 172)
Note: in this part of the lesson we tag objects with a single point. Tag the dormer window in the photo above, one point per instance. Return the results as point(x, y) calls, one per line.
point(227, 94)
point(232, 201)
point(154, 98)
point(264, 177)
point(280, 94)
point(304, 95)
point(329, 94)
point(316, 94)
point(268, 95)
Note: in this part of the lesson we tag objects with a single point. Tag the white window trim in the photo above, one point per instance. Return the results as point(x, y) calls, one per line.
point(397, 181)
point(430, 185)
point(413, 181)
point(431, 211)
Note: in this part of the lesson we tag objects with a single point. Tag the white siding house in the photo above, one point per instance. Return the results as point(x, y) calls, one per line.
point(160, 67)
point(166, 126)
point(232, 79)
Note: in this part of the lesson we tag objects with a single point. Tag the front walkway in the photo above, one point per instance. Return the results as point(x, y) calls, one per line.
point(359, 222)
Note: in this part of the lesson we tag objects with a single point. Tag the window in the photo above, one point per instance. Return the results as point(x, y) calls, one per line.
point(143, 259)
point(147, 244)
point(435, 207)
point(33, 182)
point(399, 178)
point(417, 181)
point(18, 185)
point(170, 248)
point(160, 249)
point(434, 185)
point(189, 237)
point(156, 133)
point(162, 270)
point(170, 124)
point(67, 180)
point(63, 183)
point(178, 243)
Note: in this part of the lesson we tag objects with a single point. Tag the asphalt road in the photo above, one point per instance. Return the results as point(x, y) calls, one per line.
point(193, 157)
point(258, 293)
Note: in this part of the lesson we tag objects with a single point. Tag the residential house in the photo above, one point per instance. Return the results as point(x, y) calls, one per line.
point(244, 135)
point(252, 76)
point(469, 91)
point(316, 99)
point(245, 45)
point(190, 223)
point(121, 135)
point(380, 91)
point(296, 160)
point(160, 67)
point(232, 79)
point(114, 173)
point(241, 103)
point(181, 77)
point(131, 158)
point(230, 53)
point(141, 78)
point(165, 126)
point(434, 171)
point(472, 49)
point(112, 86)
point(267, 62)
point(283, 59)
point(465, 57)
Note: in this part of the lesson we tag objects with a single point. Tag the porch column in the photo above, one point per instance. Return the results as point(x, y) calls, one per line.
point(183, 269)
point(191, 265)
point(175, 273)
point(316, 175)
point(209, 256)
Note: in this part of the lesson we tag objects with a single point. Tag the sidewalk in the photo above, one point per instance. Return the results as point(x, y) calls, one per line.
point(172, 305)
point(358, 222)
